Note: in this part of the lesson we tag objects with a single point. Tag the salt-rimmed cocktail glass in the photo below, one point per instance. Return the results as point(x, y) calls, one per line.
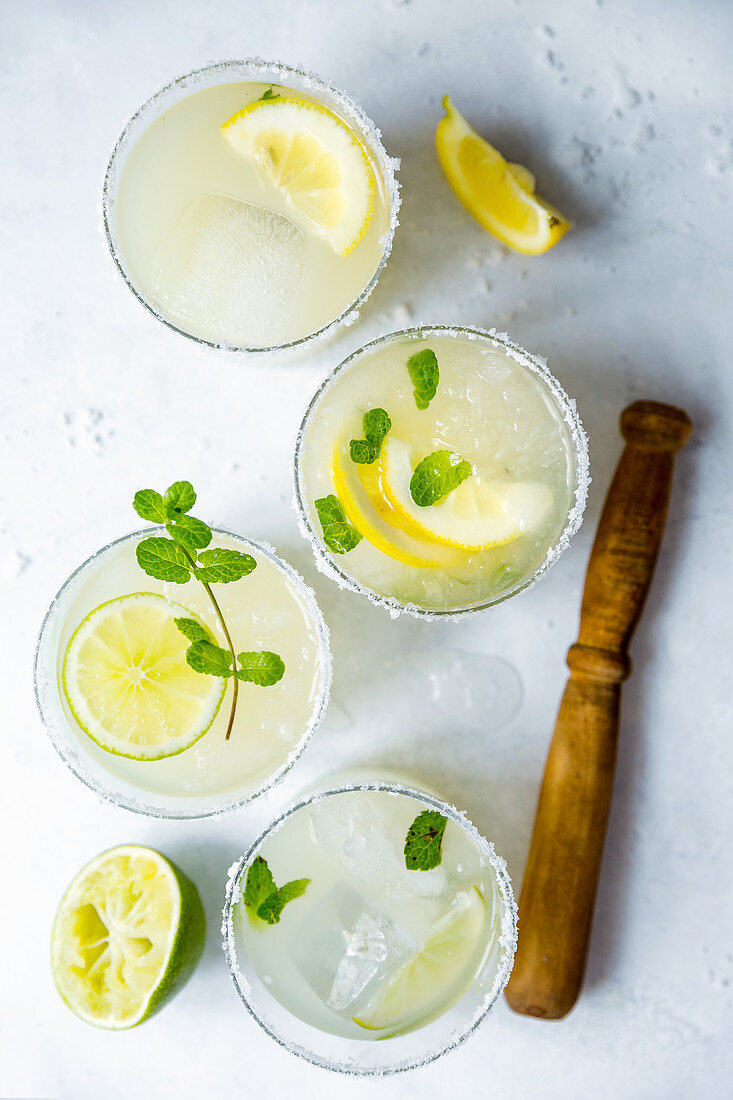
point(140, 208)
point(332, 835)
point(542, 442)
point(272, 608)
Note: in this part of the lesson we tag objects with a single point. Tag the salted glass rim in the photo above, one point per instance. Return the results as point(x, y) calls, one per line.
point(368, 132)
point(507, 940)
point(566, 406)
point(45, 682)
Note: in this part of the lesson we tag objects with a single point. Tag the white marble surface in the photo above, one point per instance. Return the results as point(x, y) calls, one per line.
point(623, 111)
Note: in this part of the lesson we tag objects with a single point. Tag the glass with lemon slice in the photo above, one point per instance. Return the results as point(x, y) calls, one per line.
point(139, 726)
point(250, 205)
point(371, 949)
point(440, 470)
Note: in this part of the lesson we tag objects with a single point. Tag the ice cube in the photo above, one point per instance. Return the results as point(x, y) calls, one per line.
point(345, 948)
point(360, 839)
point(232, 271)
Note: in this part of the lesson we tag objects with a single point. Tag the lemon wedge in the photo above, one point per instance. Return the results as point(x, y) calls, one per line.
point(436, 976)
point(360, 495)
point(477, 515)
point(500, 195)
point(313, 157)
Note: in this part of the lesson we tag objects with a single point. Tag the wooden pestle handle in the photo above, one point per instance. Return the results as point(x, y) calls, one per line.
point(559, 890)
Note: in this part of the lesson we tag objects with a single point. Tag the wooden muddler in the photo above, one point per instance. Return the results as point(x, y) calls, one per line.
point(559, 890)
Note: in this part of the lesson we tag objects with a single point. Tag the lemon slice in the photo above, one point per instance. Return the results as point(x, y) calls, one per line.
point(126, 679)
point(361, 498)
point(127, 934)
point(436, 976)
point(499, 195)
point(314, 159)
point(476, 515)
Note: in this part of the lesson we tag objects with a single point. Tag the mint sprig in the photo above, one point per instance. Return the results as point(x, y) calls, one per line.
point(423, 841)
point(183, 555)
point(425, 375)
point(268, 94)
point(375, 423)
point(437, 475)
point(262, 898)
point(338, 534)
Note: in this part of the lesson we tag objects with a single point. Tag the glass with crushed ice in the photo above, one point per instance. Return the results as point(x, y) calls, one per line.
point(250, 206)
point(371, 949)
point(457, 396)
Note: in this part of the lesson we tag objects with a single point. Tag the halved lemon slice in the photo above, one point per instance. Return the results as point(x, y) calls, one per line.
point(127, 683)
point(314, 159)
point(499, 195)
point(358, 490)
point(128, 933)
point(476, 515)
point(437, 976)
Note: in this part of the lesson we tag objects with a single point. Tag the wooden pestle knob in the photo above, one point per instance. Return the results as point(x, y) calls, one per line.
point(559, 889)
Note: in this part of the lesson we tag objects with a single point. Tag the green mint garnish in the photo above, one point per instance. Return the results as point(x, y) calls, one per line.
point(262, 668)
point(376, 424)
point(423, 841)
point(163, 559)
point(193, 630)
point(269, 94)
point(437, 475)
point(338, 534)
point(182, 556)
point(424, 374)
point(209, 659)
point(262, 898)
point(221, 566)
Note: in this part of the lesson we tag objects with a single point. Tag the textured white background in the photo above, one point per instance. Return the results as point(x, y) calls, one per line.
point(622, 109)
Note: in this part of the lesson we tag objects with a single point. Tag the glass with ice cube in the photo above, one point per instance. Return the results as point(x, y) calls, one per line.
point(370, 947)
point(250, 205)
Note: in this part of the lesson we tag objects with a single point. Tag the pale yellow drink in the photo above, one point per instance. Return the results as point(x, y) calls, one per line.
point(271, 609)
point(206, 238)
point(371, 949)
point(497, 408)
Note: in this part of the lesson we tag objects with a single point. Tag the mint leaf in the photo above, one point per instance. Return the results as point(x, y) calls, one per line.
point(423, 841)
point(179, 497)
point(269, 94)
point(189, 532)
point(362, 452)
point(259, 884)
point(212, 660)
point(338, 534)
point(149, 505)
point(424, 375)
point(220, 566)
point(193, 630)
point(262, 668)
point(182, 555)
point(163, 559)
point(376, 423)
point(271, 909)
point(436, 476)
point(262, 897)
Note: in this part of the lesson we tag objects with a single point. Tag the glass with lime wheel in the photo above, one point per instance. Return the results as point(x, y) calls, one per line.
point(181, 670)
